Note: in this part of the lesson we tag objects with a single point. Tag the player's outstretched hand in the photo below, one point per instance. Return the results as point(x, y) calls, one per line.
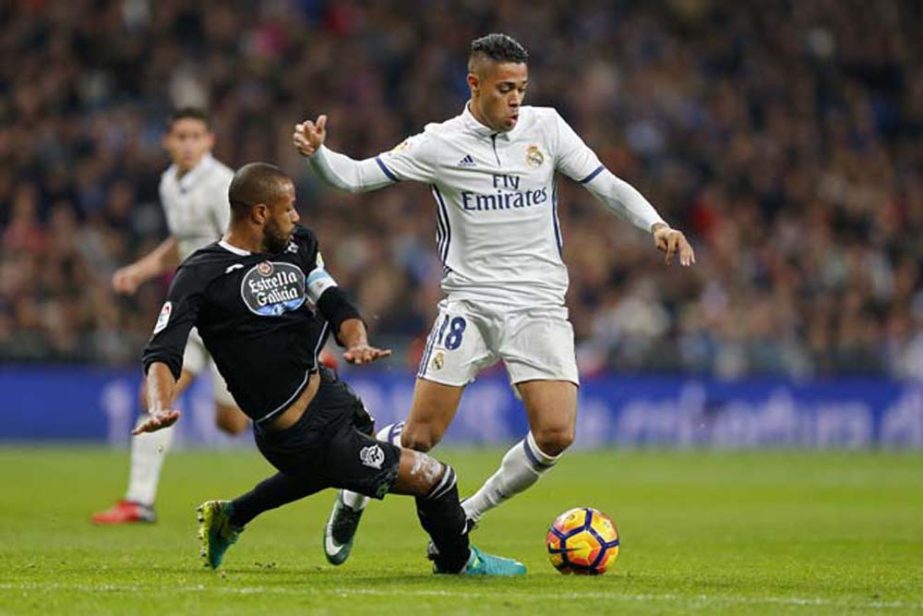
point(672, 241)
point(309, 136)
point(156, 421)
point(126, 280)
point(364, 354)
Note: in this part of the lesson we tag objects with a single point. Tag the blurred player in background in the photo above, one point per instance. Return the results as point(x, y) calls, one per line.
point(492, 172)
point(194, 194)
point(264, 305)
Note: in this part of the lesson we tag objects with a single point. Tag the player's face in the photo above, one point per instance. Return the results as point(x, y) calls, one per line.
point(280, 223)
point(187, 142)
point(497, 91)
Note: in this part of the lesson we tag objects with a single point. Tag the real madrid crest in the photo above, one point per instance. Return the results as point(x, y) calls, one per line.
point(534, 156)
point(438, 360)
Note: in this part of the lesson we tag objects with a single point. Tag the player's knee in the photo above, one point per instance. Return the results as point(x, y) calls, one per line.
point(231, 421)
point(553, 441)
point(437, 477)
point(419, 438)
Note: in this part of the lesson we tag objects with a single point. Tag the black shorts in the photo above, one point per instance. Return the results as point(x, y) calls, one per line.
point(333, 444)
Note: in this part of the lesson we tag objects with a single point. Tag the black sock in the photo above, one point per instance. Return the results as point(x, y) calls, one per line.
point(444, 519)
point(278, 490)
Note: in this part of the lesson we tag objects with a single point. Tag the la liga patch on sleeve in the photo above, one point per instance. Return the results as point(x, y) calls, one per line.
point(163, 318)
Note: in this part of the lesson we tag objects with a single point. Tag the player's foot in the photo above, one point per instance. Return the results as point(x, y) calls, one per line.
point(216, 534)
point(340, 531)
point(125, 512)
point(480, 563)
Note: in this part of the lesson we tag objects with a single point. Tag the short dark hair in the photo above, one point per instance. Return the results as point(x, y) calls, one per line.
point(255, 183)
point(499, 48)
point(190, 113)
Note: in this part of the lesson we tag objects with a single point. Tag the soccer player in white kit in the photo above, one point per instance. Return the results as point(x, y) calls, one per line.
point(194, 195)
point(492, 173)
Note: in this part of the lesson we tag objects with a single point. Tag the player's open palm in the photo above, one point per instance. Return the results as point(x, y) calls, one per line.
point(157, 421)
point(364, 354)
point(672, 242)
point(309, 136)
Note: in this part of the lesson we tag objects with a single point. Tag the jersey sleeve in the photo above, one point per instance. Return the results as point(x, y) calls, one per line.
point(177, 317)
point(412, 159)
point(572, 156)
point(345, 173)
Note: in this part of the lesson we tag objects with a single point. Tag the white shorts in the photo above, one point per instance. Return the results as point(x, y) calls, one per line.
point(534, 344)
point(196, 359)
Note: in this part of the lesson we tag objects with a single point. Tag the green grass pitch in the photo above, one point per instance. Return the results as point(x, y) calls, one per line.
point(729, 532)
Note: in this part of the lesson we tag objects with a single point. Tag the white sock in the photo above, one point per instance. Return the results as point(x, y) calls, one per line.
point(390, 434)
point(147, 455)
point(520, 468)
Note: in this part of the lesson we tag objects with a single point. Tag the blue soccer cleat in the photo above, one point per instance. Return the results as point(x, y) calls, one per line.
point(216, 534)
point(340, 531)
point(480, 563)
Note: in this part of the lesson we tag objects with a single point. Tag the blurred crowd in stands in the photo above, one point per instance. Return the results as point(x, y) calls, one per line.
point(785, 138)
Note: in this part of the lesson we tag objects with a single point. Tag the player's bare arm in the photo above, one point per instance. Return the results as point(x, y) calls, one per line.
point(162, 259)
point(354, 337)
point(159, 386)
point(309, 136)
point(672, 242)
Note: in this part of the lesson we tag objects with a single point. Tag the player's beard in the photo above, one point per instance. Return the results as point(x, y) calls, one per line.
point(274, 239)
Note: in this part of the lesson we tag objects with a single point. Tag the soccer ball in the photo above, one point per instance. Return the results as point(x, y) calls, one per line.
point(583, 541)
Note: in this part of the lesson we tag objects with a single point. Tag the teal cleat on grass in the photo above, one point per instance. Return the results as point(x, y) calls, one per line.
point(216, 534)
point(340, 531)
point(480, 563)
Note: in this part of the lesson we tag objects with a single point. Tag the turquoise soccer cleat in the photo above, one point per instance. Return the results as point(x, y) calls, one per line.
point(340, 531)
point(216, 534)
point(480, 563)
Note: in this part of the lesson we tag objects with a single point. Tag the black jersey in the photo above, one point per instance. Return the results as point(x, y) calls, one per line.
point(254, 313)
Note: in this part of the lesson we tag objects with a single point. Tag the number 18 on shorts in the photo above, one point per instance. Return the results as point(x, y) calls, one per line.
point(534, 343)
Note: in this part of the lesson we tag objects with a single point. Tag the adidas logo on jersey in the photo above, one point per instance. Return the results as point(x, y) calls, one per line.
point(467, 161)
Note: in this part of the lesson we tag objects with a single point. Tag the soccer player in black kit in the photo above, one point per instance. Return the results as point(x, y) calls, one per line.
point(264, 306)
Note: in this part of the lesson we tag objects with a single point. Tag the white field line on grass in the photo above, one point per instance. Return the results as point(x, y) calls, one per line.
point(726, 600)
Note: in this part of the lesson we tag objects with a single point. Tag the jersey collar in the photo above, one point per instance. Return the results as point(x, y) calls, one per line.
point(231, 248)
point(475, 126)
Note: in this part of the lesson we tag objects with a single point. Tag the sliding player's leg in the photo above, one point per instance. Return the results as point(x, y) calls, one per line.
point(433, 483)
point(362, 464)
point(372, 467)
point(431, 412)
point(455, 352)
point(222, 521)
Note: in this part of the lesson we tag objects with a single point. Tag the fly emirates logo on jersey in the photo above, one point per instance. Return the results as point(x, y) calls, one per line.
point(272, 288)
point(505, 196)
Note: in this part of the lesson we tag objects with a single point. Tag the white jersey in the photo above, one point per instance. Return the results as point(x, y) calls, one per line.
point(496, 200)
point(196, 206)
